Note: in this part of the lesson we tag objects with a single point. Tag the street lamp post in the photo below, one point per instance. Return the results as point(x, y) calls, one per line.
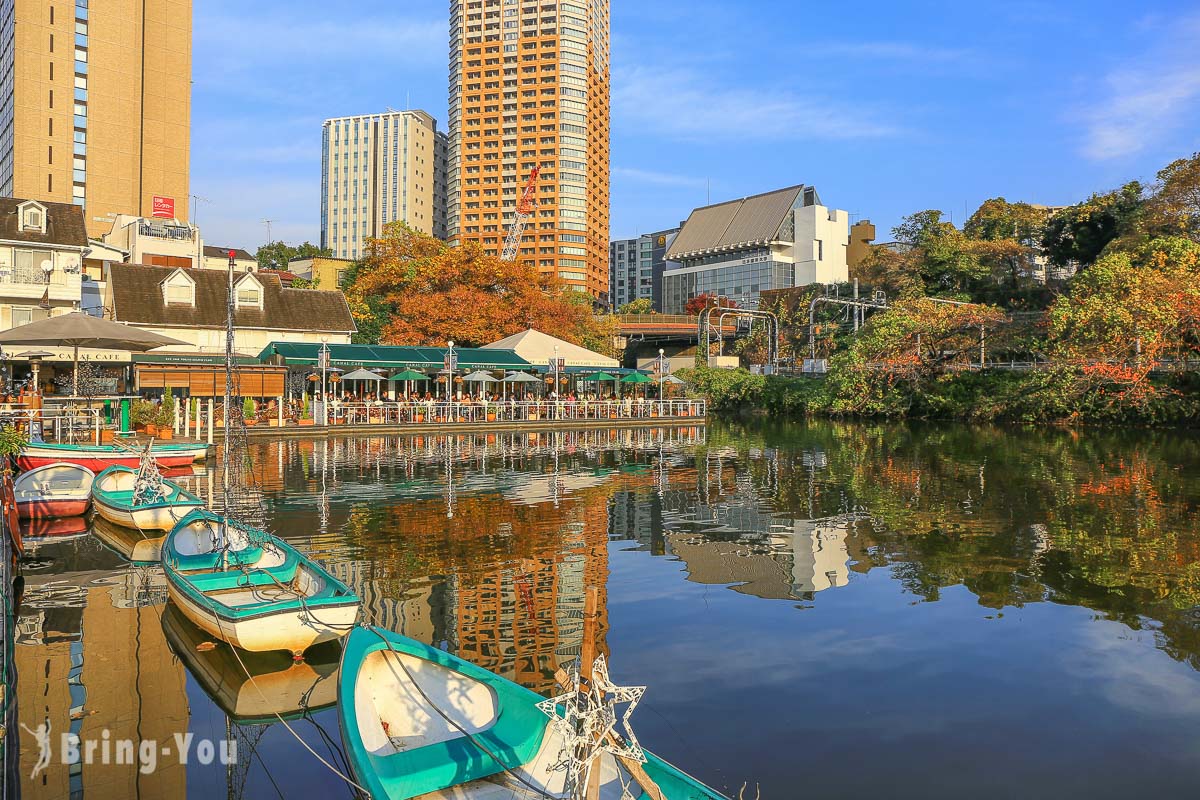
point(324, 387)
point(451, 363)
point(661, 353)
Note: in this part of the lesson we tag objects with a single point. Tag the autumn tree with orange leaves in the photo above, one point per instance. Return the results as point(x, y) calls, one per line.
point(421, 291)
point(1129, 311)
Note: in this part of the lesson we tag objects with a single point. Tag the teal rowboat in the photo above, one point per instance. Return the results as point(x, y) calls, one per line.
point(392, 695)
point(251, 589)
point(113, 497)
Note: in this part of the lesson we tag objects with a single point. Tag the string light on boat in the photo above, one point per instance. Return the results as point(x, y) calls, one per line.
point(586, 721)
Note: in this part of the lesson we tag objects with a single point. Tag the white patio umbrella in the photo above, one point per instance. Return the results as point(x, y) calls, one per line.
point(361, 375)
point(479, 377)
point(78, 330)
point(519, 377)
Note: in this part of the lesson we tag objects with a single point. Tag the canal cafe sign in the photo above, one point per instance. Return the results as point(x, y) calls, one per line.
point(12, 355)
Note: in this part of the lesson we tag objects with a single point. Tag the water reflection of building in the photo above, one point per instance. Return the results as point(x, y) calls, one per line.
point(785, 564)
point(413, 610)
point(524, 621)
point(93, 660)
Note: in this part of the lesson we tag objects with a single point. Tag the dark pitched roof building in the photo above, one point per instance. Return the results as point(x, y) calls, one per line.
point(212, 251)
point(749, 222)
point(63, 224)
point(166, 297)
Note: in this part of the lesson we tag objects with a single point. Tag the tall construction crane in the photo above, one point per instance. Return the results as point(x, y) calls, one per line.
point(525, 208)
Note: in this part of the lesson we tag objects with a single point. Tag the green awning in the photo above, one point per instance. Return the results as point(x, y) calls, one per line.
point(191, 358)
point(390, 356)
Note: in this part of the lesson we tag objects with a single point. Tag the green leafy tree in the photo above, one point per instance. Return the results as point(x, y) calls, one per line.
point(1174, 208)
point(643, 305)
point(276, 255)
point(1080, 233)
point(940, 253)
point(999, 220)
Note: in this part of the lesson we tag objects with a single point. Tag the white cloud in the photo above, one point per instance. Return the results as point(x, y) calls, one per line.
point(1149, 99)
point(684, 104)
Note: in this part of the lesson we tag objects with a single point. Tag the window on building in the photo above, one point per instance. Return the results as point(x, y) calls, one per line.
point(33, 219)
point(179, 290)
point(21, 315)
point(249, 296)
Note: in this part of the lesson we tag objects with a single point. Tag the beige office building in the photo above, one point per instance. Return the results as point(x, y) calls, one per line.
point(529, 87)
point(377, 169)
point(95, 105)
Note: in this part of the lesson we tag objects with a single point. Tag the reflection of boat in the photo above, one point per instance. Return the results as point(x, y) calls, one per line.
point(279, 686)
point(132, 545)
point(37, 530)
point(97, 457)
point(53, 490)
point(115, 494)
point(392, 695)
point(252, 589)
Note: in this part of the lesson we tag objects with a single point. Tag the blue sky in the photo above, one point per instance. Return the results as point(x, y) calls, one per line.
point(887, 108)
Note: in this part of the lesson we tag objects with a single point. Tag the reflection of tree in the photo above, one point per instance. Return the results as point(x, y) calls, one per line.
point(1105, 520)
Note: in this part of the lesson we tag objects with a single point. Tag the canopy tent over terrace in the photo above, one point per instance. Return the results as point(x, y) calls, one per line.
point(538, 348)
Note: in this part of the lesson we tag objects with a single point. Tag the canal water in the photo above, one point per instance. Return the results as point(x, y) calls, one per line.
point(817, 609)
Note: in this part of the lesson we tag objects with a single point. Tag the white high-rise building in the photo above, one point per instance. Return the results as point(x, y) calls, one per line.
point(376, 169)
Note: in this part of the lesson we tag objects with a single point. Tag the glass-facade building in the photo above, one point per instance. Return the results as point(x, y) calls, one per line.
point(741, 248)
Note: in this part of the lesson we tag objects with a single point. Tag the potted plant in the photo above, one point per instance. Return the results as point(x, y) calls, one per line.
point(248, 412)
point(165, 418)
point(306, 419)
point(12, 442)
point(142, 415)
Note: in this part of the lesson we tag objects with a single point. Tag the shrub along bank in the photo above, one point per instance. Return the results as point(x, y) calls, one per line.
point(1057, 395)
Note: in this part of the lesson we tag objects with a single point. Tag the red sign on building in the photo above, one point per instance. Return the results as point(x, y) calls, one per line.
point(164, 207)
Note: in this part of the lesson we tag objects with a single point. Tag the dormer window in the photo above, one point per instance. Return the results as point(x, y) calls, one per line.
point(179, 289)
point(248, 293)
point(33, 217)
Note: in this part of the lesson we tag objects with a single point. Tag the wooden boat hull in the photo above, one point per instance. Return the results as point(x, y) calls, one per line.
point(267, 597)
point(112, 497)
point(287, 630)
point(52, 509)
point(99, 457)
point(54, 490)
point(400, 748)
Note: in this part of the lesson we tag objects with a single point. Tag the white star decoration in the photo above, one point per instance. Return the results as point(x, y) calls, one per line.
point(587, 723)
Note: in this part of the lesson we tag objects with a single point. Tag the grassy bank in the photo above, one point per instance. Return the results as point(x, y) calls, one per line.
point(1062, 395)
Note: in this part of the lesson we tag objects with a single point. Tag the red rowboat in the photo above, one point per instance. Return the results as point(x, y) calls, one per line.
point(99, 457)
point(53, 490)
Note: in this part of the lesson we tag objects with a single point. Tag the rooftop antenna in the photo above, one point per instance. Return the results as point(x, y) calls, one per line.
point(268, 222)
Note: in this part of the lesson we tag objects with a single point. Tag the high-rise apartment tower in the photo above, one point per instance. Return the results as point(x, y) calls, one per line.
point(529, 86)
point(376, 169)
point(95, 105)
